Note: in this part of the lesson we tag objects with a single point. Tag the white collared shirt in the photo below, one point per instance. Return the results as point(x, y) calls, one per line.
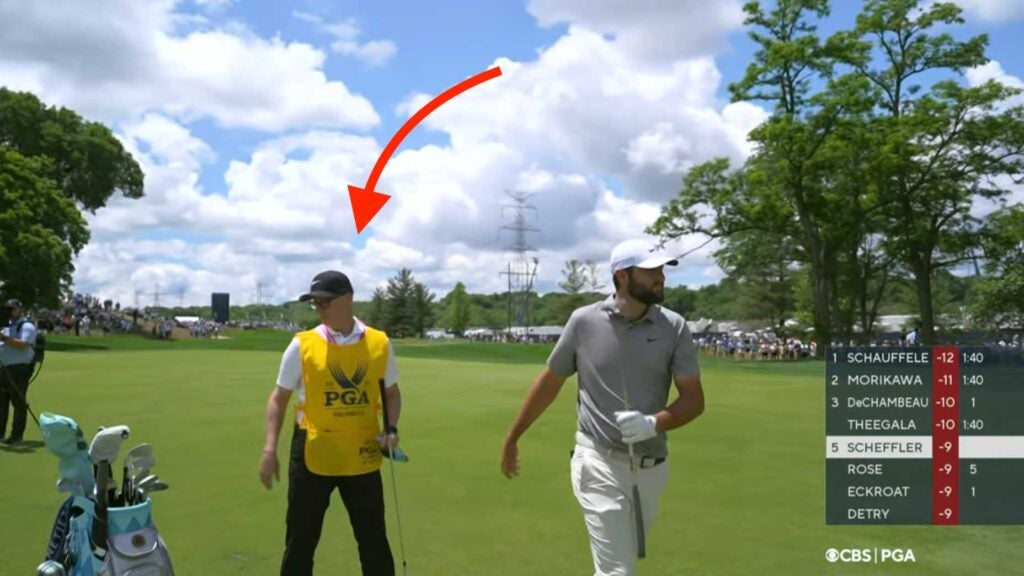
point(290, 375)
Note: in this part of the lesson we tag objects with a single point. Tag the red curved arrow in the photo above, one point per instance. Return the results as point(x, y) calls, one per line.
point(366, 201)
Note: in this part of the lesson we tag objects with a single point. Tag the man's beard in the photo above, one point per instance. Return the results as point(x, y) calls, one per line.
point(646, 296)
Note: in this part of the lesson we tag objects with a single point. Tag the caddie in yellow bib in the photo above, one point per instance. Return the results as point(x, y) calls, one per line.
point(342, 401)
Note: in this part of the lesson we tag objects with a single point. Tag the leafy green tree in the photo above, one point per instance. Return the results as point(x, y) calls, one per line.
point(681, 300)
point(400, 319)
point(784, 189)
point(422, 299)
point(40, 231)
point(938, 149)
point(459, 309)
point(377, 314)
point(763, 266)
point(84, 158)
point(1000, 295)
point(53, 163)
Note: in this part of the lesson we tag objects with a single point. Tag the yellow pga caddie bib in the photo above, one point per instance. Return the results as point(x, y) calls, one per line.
point(339, 413)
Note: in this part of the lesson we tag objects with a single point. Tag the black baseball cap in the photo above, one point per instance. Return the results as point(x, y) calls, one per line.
point(13, 303)
point(328, 284)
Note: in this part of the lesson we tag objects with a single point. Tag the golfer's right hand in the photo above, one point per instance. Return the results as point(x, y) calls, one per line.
point(269, 470)
point(510, 459)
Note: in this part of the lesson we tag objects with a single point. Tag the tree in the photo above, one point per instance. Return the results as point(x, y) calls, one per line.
point(680, 300)
point(1000, 298)
point(51, 163)
point(408, 306)
point(377, 315)
point(423, 300)
point(401, 308)
point(938, 149)
point(763, 266)
point(83, 158)
point(40, 231)
point(784, 189)
point(458, 315)
point(576, 277)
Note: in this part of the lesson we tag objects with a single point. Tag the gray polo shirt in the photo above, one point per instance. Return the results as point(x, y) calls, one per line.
point(604, 348)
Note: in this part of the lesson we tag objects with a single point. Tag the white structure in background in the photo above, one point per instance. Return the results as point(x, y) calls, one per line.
point(894, 322)
point(537, 333)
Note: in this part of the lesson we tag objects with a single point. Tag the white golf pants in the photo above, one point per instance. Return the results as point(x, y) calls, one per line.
point(603, 485)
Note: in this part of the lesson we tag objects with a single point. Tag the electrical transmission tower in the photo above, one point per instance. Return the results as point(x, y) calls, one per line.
point(156, 296)
point(522, 268)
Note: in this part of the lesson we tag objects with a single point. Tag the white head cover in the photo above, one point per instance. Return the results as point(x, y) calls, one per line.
point(106, 444)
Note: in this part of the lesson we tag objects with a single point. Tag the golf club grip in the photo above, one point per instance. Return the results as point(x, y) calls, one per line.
point(638, 520)
point(384, 403)
point(383, 386)
point(99, 523)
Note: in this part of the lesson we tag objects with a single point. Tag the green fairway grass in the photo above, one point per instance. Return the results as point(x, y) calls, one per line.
point(746, 494)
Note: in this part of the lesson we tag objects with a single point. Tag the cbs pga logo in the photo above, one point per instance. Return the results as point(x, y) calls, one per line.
point(869, 555)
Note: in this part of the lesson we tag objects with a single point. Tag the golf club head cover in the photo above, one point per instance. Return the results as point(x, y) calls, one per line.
point(106, 444)
point(63, 437)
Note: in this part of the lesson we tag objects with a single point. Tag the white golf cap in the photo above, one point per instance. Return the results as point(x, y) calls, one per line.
point(641, 254)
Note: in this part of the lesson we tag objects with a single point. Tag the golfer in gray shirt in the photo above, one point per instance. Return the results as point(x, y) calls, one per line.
point(627, 351)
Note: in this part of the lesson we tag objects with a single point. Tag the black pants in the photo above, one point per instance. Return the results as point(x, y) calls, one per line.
point(14, 390)
point(309, 496)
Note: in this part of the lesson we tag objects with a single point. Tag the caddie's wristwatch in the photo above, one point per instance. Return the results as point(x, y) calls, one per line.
point(391, 429)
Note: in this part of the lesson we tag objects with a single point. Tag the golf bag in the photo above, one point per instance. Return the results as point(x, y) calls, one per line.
point(129, 543)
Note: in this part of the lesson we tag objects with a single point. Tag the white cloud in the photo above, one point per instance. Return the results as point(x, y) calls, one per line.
point(585, 108)
point(373, 53)
point(993, 10)
point(596, 129)
point(975, 77)
point(659, 30)
point(993, 70)
point(115, 64)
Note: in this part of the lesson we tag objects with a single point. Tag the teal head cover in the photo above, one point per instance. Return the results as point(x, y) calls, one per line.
point(65, 440)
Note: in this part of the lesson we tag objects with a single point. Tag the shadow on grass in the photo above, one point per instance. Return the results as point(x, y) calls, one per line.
point(24, 447)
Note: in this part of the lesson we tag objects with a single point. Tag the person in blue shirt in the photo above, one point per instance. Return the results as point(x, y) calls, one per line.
point(17, 351)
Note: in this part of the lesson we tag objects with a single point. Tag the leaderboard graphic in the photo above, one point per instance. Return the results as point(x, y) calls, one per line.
point(924, 435)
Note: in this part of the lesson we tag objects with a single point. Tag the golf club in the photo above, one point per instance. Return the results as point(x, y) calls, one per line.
point(154, 486)
point(638, 513)
point(143, 461)
point(138, 475)
point(145, 482)
point(126, 469)
point(394, 483)
point(105, 446)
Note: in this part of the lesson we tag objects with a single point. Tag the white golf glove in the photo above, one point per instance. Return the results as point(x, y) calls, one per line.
point(636, 426)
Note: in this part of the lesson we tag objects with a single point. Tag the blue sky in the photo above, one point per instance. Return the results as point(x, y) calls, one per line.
point(250, 118)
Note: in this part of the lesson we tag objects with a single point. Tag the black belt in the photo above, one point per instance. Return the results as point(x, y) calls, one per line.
point(649, 461)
